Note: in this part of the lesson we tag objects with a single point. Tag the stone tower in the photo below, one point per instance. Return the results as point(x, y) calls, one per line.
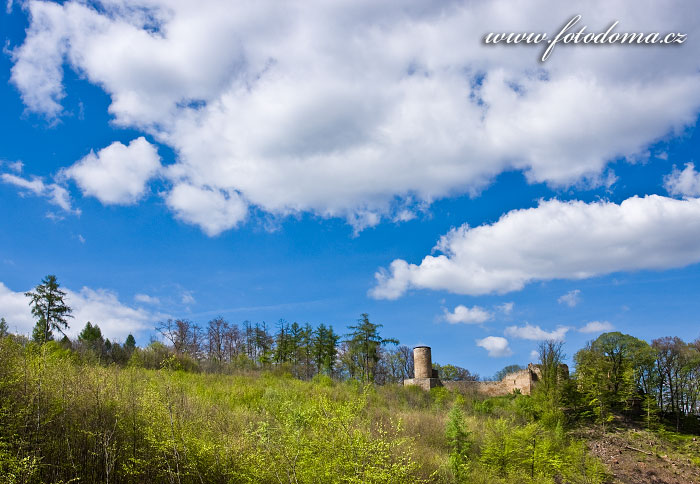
point(424, 375)
point(422, 362)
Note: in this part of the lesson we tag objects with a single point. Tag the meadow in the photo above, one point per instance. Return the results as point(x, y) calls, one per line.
point(65, 417)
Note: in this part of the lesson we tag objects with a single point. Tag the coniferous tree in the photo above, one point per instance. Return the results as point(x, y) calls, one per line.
point(3, 328)
point(130, 343)
point(325, 349)
point(49, 307)
point(282, 343)
point(91, 338)
point(363, 347)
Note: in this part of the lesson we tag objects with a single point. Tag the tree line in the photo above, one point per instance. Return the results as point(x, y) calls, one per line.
point(618, 372)
point(220, 346)
point(614, 373)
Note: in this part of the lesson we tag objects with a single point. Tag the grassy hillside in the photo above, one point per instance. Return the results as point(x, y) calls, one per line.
point(67, 420)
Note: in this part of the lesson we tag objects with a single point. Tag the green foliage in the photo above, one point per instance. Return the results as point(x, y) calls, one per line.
point(4, 330)
point(454, 373)
point(130, 343)
point(533, 453)
point(363, 349)
point(63, 420)
point(610, 371)
point(458, 443)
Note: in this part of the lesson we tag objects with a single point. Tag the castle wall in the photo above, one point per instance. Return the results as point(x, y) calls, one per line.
point(522, 381)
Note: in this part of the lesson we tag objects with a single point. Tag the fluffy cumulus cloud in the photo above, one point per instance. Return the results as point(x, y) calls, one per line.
point(495, 345)
point(101, 307)
point(359, 109)
point(555, 240)
point(118, 173)
point(684, 182)
point(571, 298)
point(212, 209)
point(596, 327)
point(536, 333)
point(463, 314)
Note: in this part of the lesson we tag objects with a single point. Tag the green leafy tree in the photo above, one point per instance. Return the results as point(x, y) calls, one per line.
point(550, 389)
point(612, 370)
point(591, 375)
point(49, 307)
point(618, 349)
point(454, 373)
point(4, 331)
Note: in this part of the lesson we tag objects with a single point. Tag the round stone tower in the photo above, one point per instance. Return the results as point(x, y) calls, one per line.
point(423, 365)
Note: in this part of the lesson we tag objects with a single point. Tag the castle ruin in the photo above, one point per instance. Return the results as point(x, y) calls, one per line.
point(522, 381)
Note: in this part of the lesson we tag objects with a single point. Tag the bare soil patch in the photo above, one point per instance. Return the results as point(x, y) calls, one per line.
point(635, 456)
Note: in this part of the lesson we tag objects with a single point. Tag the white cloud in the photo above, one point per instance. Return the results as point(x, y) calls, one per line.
point(146, 299)
point(212, 210)
point(117, 174)
point(56, 194)
point(187, 297)
point(596, 327)
point(347, 109)
point(14, 307)
point(686, 182)
point(534, 355)
point(15, 166)
point(495, 345)
point(463, 314)
point(536, 333)
point(571, 298)
point(506, 308)
point(101, 307)
point(556, 240)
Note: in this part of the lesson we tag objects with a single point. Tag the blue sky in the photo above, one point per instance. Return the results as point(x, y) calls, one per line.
point(258, 162)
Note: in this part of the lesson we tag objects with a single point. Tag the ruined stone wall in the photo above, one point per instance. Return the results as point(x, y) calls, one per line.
point(519, 380)
point(425, 383)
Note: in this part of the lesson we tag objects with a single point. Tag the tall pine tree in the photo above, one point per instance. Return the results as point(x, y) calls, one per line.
point(49, 307)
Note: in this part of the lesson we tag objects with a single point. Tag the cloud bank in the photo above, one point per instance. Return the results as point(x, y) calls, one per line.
point(555, 240)
point(356, 109)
